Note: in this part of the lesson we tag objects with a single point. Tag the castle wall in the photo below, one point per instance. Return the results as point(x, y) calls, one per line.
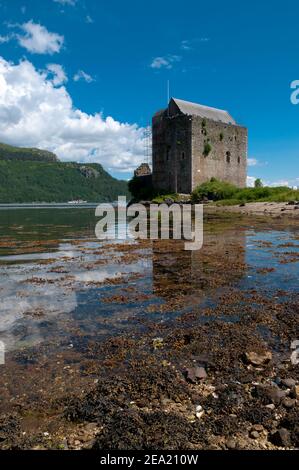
point(180, 162)
point(227, 159)
point(172, 153)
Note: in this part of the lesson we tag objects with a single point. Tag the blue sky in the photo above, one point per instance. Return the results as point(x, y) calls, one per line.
point(116, 58)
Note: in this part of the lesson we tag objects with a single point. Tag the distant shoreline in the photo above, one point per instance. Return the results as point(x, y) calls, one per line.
point(49, 205)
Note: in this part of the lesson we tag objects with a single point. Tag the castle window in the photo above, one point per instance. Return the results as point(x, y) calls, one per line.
point(183, 156)
point(239, 160)
point(228, 157)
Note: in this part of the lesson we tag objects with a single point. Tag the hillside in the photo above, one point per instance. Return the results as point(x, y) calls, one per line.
point(8, 152)
point(35, 176)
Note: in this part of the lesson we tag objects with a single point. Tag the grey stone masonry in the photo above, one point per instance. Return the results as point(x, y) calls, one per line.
point(189, 149)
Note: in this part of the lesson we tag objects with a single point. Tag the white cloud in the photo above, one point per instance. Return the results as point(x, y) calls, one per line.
point(256, 162)
point(4, 39)
point(279, 183)
point(186, 45)
point(81, 75)
point(251, 181)
point(189, 44)
point(58, 74)
point(89, 19)
point(34, 112)
point(252, 162)
point(66, 2)
point(164, 62)
point(38, 40)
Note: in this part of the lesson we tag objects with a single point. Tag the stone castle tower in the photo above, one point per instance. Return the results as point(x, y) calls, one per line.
point(193, 143)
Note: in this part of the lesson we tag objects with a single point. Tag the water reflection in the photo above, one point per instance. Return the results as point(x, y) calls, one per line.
point(56, 278)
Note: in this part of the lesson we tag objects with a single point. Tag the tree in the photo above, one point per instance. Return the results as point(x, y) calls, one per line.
point(258, 183)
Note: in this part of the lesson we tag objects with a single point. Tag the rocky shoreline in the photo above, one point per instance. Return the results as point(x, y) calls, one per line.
point(273, 209)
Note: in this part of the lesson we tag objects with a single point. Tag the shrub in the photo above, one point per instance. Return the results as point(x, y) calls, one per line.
point(258, 183)
point(207, 149)
point(141, 188)
point(228, 194)
point(214, 190)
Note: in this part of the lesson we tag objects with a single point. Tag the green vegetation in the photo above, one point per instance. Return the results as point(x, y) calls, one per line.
point(30, 181)
point(141, 188)
point(221, 136)
point(207, 149)
point(258, 183)
point(228, 194)
point(166, 197)
point(8, 152)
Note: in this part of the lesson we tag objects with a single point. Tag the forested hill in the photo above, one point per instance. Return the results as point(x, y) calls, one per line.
point(32, 175)
point(8, 152)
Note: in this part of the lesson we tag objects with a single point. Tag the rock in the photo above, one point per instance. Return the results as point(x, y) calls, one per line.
point(281, 438)
point(157, 343)
point(289, 383)
point(231, 444)
point(254, 434)
point(270, 394)
point(288, 402)
point(193, 374)
point(270, 407)
point(89, 172)
point(169, 201)
point(258, 359)
point(257, 427)
point(296, 391)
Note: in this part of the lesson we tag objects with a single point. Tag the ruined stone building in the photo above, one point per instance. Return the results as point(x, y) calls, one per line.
point(193, 143)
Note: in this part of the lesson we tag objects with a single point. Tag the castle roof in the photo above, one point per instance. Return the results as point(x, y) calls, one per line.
point(194, 109)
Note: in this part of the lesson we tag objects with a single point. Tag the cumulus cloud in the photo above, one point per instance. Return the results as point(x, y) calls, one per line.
point(36, 39)
point(57, 73)
point(164, 62)
point(35, 112)
point(81, 75)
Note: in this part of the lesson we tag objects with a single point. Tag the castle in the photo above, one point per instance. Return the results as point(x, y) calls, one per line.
point(192, 143)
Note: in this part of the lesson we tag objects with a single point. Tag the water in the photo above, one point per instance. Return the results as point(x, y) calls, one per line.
point(57, 279)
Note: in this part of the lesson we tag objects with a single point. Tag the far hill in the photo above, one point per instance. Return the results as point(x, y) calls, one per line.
point(33, 175)
point(8, 152)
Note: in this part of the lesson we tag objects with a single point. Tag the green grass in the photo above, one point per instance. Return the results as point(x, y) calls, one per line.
point(227, 194)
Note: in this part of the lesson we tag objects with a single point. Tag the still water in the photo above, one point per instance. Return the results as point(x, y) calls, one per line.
point(57, 279)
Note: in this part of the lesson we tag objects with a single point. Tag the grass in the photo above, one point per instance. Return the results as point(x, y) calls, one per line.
point(227, 194)
point(162, 198)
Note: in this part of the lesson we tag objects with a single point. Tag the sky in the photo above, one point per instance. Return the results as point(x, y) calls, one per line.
point(84, 77)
